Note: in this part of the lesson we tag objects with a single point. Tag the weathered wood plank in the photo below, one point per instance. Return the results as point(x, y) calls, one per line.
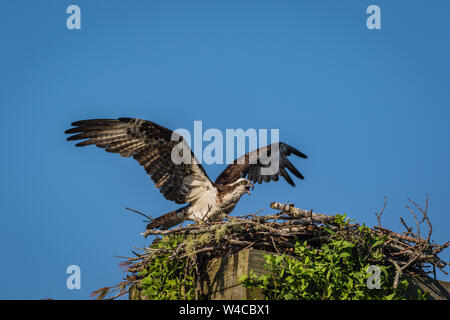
point(221, 277)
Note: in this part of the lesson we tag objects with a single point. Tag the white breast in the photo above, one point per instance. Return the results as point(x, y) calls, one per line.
point(204, 207)
point(201, 194)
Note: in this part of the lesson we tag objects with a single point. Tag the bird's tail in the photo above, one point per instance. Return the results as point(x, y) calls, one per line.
point(169, 219)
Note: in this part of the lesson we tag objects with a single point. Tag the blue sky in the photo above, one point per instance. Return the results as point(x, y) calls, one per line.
point(369, 107)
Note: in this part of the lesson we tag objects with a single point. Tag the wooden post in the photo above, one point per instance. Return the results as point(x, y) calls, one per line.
point(221, 277)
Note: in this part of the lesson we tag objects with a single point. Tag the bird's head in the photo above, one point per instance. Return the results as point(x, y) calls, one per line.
point(242, 186)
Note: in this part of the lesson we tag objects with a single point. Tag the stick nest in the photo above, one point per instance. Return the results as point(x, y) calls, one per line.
point(408, 251)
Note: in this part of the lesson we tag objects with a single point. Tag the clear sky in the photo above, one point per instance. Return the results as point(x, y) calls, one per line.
point(371, 109)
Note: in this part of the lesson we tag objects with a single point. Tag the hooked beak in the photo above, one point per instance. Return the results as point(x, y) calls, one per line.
point(247, 188)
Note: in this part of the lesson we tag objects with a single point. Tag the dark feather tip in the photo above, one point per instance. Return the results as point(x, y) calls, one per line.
point(296, 152)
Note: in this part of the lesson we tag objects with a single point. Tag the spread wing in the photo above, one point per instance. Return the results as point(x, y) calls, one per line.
point(151, 145)
point(254, 165)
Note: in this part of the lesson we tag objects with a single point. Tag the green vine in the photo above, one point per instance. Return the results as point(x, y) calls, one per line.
point(337, 270)
point(165, 278)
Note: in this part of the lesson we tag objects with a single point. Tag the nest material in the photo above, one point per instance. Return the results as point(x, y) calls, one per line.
point(408, 251)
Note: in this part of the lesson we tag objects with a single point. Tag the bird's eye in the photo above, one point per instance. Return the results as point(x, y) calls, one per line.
point(244, 182)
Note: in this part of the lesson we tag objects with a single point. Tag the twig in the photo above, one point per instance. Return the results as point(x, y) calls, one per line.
point(142, 214)
point(378, 215)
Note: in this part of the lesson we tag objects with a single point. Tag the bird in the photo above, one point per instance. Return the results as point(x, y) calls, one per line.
point(184, 182)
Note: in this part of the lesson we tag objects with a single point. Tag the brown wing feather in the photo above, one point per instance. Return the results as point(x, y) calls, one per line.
point(250, 165)
point(150, 144)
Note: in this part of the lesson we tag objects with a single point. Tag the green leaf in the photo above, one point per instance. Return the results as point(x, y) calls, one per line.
point(390, 297)
point(288, 296)
point(377, 243)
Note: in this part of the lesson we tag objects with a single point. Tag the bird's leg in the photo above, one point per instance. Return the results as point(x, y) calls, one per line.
point(205, 217)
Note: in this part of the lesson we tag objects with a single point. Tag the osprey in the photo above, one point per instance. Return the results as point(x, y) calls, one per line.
point(187, 182)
